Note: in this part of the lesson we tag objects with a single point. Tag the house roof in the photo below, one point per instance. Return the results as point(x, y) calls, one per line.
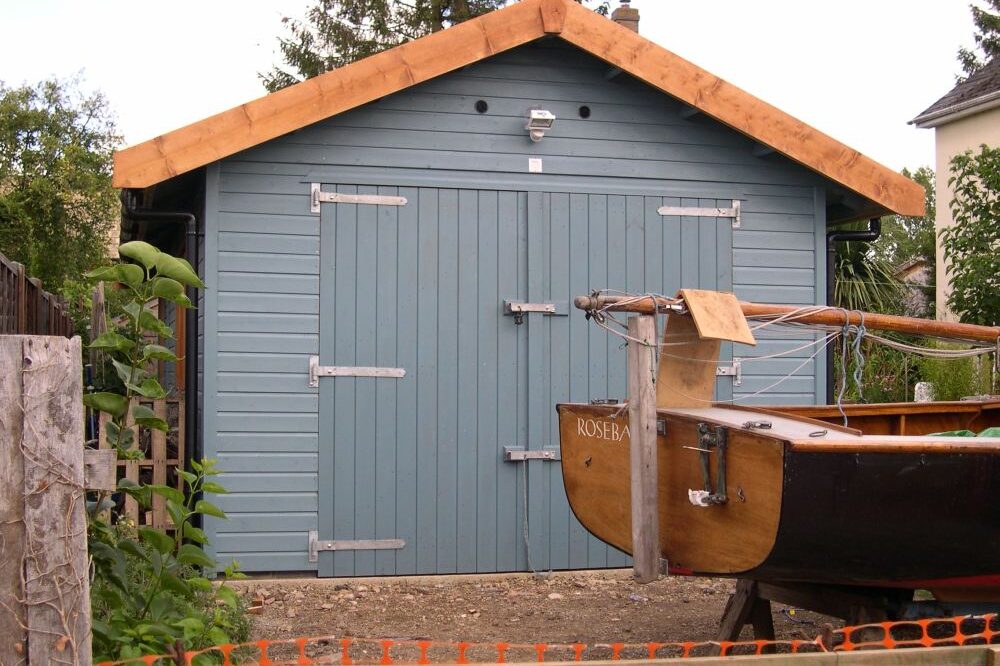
point(391, 71)
point(977, 93)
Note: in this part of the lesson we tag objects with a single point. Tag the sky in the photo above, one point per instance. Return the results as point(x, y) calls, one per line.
point(855, 69)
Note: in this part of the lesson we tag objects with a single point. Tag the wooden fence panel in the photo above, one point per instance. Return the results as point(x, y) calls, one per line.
point(44, 588)
point(26, 308)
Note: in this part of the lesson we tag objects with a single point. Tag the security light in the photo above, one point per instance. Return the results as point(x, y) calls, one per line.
point(539, 121)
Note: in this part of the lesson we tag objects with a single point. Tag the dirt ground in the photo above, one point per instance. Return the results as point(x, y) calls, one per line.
point(586, 607)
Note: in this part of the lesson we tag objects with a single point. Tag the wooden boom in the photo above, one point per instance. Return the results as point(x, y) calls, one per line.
point(829, 317)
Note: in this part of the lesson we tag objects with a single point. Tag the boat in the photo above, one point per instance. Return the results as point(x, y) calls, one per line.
point(894, 499)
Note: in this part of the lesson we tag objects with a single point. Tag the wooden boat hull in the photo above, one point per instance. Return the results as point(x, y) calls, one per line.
point(840, 508)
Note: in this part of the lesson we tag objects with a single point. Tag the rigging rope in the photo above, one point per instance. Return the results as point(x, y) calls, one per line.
point(851, 337)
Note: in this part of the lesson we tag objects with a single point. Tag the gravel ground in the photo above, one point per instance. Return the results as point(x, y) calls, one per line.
point(586, 607)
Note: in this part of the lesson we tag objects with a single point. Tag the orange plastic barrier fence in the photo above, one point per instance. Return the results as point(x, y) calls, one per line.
point(345, 651)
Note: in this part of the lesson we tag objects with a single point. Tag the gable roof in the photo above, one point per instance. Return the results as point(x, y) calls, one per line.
point(977, 93)
point(391, 71)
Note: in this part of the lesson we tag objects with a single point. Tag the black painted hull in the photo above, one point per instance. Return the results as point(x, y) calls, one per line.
point(912, 520)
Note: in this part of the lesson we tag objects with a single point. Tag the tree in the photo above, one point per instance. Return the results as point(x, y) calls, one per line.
point(987, 39)
point(972, 245)
point(907, 238)
point(57, 206)
point(337, 32)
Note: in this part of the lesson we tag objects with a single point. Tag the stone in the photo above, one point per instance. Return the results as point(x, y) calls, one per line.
point(555, 595)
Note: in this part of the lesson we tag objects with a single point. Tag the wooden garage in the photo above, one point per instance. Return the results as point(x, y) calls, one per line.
point(391, 250)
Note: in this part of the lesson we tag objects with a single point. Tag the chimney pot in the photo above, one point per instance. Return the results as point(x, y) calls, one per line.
point(626, 16)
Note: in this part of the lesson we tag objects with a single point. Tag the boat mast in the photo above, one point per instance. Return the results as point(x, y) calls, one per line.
point(817, 315)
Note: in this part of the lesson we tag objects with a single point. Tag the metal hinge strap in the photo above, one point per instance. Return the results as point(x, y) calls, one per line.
point(316, 371)
point(316, 545)
point(318, 196)
point(686, 211)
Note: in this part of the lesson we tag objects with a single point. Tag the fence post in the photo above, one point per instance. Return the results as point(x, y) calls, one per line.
point(44, 587)
point(21, 300)
point(642, 438)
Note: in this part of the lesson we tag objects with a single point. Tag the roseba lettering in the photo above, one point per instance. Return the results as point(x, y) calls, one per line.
point(602, 429)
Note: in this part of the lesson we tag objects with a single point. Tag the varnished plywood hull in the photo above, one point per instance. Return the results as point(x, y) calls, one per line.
point(878, 518)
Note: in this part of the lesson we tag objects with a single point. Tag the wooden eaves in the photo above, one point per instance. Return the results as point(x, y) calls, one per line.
point(391, 71)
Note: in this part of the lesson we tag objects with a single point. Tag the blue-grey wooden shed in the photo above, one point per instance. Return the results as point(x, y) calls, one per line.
point(383, 216)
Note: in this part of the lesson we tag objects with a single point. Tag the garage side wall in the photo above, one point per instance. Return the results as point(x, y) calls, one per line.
point(262, 247)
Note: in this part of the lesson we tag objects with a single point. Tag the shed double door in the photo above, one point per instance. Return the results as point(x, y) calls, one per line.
point(422, 287)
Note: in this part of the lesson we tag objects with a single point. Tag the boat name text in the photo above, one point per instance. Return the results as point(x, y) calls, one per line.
point(602, 429)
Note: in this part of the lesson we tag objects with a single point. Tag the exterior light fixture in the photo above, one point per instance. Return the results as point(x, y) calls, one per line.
point(539, 121)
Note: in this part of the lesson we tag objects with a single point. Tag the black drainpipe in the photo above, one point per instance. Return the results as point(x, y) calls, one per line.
point(874, 231)
point(191, 317)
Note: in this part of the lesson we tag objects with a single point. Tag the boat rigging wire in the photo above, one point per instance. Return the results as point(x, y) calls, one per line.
point(851, 336)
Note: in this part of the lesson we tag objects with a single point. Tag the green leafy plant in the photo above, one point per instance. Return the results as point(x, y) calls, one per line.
point(148, 594)
point(972, 245)
point(954, 379)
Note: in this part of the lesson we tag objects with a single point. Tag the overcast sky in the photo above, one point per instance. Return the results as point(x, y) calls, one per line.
point(855, 69)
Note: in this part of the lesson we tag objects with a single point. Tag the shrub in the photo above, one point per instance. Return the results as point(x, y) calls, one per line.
point(149, 596)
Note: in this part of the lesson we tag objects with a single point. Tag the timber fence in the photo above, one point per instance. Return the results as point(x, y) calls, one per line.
point(955, 637)
point(26, 308)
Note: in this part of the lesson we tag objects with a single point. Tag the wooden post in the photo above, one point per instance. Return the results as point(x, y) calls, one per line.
point(22, 300)
point(13, 646)
point(98, 323)
point(158, 441)
point(44, 587)
point(642, 438)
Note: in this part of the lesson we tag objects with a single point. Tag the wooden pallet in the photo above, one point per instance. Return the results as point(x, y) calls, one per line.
point(163, 456)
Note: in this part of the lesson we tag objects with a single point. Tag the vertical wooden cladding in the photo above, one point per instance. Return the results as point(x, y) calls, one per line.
point(419, 459)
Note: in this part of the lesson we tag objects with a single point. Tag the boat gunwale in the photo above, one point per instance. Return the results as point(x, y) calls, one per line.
point(923, 444)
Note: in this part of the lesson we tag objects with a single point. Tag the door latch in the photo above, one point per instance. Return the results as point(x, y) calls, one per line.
point(519, 308)
point(515, 454)
point(735, 370)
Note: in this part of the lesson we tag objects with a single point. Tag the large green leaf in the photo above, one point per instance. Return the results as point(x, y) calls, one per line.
point(129, 374)
point(158, 353)
point(112, 341)
point(191, 554)
point(178, 269)
point(197, 535)
point(167, 492)
point(213, 487)
point(170, 289)
point(127, 273)
point(209, 509)
point(227, 595)
point(145, 416)
point(150, 322)
point(157, 540)
point(112, 403)
point(150, 388)
point(140, 251)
